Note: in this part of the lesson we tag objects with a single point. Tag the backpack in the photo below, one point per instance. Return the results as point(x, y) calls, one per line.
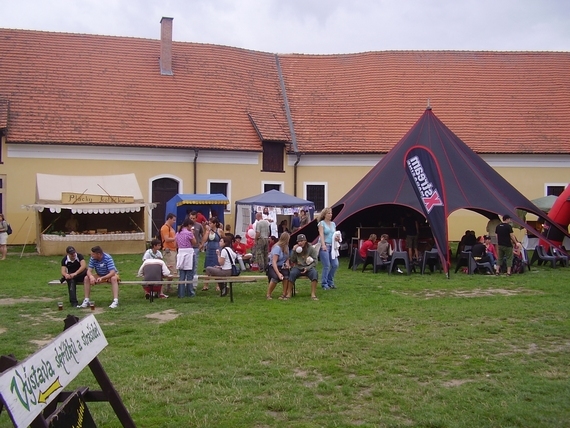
point(9, 229)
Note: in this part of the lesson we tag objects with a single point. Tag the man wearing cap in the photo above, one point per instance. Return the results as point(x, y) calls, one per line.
point(73, 270)
point(506, 239)
point(303, 260)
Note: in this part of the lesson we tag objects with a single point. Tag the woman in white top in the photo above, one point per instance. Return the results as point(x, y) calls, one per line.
point(226, 257)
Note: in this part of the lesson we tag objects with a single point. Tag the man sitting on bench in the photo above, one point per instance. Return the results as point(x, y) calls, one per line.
point(303, 260)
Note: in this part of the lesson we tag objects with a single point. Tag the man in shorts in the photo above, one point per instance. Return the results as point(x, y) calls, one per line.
point(101, 268)
point(303, 261)
point(506, 239)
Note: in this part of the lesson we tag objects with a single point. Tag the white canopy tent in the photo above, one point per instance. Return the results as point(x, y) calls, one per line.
point(117, 198)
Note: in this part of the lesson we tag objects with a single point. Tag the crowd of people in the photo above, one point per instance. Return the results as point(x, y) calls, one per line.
point(501, 250)
point(177, 253)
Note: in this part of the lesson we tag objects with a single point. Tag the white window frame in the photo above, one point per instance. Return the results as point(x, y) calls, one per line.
point(281, 185)
point(317, 183)
point(547, 185)
point(229, 195)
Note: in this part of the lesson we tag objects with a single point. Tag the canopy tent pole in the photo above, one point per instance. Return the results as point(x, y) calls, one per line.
point(152, 222)
point(27, 236)
point(135, 223)
point(49, 225)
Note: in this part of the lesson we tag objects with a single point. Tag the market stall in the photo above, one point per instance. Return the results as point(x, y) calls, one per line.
point(207, 204)
point(85, 211)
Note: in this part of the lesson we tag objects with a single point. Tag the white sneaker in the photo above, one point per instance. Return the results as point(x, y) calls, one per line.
point(114, 304)
point(84, 305)
point(400, 270)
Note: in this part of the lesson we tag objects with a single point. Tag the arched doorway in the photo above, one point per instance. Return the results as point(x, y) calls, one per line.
point(163, 189)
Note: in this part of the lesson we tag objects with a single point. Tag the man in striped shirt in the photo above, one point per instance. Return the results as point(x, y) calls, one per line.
point(101, 268)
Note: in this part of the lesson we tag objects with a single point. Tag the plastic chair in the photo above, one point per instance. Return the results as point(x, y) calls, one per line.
point(542, 257)
point(463, 260)
point(369, 259)
point(475, 266)
point(431, 255)
point(399, 257)
point(378, 262)
point(356, 260)
point(560, 257)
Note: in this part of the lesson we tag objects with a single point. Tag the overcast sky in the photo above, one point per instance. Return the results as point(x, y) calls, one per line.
point(312, 26)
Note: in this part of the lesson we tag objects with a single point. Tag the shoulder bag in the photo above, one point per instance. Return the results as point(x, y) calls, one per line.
point(235, 269)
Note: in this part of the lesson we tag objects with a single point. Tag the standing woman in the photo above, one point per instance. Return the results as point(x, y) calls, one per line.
point(211, 241)
point(279, 267)
point(3, 236)
point(327, 228)
point(185, 241)
point(226, 257)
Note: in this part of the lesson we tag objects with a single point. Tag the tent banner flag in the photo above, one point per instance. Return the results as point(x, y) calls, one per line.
point(423, 171)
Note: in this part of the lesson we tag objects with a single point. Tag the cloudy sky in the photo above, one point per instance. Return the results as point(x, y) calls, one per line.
point(312, 26)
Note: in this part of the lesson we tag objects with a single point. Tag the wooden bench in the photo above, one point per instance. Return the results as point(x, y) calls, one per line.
point(229, 280)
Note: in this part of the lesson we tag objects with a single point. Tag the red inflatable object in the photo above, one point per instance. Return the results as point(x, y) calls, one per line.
point(560, 213)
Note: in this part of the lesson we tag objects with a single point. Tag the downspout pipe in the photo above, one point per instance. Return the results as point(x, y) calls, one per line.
point(295, 172)
point(195, 169)
point(289, 123)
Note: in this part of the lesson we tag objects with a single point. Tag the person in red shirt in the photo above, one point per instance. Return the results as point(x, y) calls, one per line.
point(241, 251)
point(369, 244)
point(200, 218)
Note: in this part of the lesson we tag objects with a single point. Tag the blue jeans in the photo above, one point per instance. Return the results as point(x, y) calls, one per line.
point(186, 275)
point(330, 266)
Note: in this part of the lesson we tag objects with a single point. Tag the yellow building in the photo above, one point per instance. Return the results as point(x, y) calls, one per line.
point(199, 118)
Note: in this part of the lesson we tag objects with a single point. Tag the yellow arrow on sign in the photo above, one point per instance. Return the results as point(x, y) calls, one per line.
point(51, 389)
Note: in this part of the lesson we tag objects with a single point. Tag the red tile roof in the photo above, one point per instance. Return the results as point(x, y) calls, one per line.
point(101, 90)
point(496, 102)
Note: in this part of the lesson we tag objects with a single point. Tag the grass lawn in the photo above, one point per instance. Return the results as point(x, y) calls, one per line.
point(379, 351)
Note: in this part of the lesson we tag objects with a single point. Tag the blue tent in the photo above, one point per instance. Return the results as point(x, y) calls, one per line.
point(183, 203)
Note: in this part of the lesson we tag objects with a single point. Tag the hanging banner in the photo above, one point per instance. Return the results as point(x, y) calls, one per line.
point(423, 171)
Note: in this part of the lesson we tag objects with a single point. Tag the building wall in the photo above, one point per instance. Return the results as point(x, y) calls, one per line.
point(529, 174)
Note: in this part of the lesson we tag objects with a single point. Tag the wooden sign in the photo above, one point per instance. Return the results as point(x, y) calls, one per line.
point(73, 413)
point(82, 198)
point(27, 388)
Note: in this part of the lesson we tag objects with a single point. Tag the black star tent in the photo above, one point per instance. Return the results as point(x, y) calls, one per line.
point(467, 182)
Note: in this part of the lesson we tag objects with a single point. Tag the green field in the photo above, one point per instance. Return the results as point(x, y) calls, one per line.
point(379, 351)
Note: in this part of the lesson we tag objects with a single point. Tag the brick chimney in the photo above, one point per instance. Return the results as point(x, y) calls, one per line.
point(166, 46)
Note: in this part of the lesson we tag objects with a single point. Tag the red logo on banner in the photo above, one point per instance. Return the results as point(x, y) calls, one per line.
point(433, 201)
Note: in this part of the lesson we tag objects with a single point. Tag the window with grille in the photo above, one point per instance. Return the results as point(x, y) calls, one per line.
point(273, 157)
point(316, 194)
point(555, 190)
point(220, 186)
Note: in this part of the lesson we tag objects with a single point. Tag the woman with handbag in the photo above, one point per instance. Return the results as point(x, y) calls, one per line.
point(278, 269)
point(226, 258)
point(3, 236)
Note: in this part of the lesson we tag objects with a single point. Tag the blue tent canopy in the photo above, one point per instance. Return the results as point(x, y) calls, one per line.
point(183, 203)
